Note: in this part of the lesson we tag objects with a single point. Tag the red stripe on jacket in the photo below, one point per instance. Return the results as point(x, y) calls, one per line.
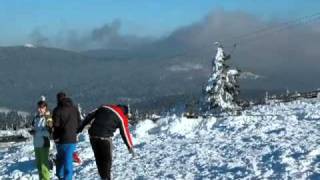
point(124, 123)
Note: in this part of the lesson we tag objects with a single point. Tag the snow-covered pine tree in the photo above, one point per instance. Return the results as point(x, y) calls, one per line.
point(222, 88)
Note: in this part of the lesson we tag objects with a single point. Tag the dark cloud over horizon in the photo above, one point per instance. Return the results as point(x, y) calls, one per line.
point(107, 36)
point(287, 58)
point(287, 55)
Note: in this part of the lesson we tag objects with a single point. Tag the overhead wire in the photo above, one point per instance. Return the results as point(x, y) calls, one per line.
point(257, 34)
point(275, 28)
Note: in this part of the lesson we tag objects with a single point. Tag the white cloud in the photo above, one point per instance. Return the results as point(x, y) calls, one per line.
point(185, 67)
point(250, 75)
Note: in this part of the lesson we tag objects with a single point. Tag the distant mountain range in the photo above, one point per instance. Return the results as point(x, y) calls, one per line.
point(104, 76)
point(92, 78)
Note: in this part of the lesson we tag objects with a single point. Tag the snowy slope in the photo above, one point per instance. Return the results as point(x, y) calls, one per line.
point(267, 142)
point(22, 132)
point(6, 110)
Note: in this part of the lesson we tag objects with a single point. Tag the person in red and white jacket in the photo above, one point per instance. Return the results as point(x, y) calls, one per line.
point(104, 121)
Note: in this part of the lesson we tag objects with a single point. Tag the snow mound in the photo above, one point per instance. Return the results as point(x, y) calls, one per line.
point(22, 132)
point(281, 141)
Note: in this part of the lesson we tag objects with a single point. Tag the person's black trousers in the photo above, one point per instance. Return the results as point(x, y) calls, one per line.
point(102, 149)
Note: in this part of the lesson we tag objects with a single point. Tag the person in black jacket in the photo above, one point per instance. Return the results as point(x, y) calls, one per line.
point(104, 121)
point(66, 121)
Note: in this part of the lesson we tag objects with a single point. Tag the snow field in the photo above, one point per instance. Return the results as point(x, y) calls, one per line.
point(279, 141)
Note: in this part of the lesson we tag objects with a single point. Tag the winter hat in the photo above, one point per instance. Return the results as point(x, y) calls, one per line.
point(42, 102)
point(42, 98)
point(61, 95)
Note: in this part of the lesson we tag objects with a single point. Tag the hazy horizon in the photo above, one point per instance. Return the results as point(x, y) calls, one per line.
point(275, 41)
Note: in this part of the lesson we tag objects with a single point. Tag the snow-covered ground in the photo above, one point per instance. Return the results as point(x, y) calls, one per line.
point(22, 132)
point(280, 141)
point(7, 110)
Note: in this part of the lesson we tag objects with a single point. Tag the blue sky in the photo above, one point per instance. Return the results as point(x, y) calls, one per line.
point(143, 17)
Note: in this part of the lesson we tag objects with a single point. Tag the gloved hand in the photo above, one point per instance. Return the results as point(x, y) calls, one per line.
point(131, 152)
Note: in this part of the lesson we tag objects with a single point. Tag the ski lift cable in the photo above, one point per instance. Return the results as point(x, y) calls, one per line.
point(274, 30)
point(316, 18)
point(260, 33)
point(256, 37)
point(263, 33)
point(266, 35)
point(297, 21)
